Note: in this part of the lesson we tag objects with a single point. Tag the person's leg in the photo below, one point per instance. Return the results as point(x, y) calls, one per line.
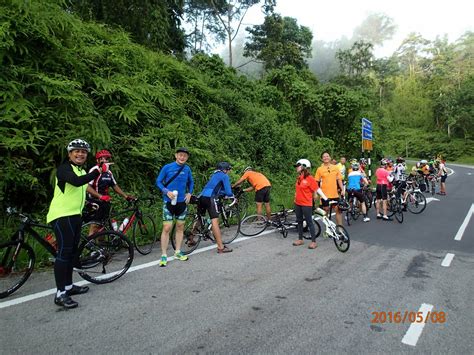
point(308, 217)
point(259, 208)
point(165, 236)
point(268, 210)
point(299, 221)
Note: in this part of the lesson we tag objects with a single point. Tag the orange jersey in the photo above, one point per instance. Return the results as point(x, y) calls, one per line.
point(327, 177)
point(257, 180)
point(305, 188)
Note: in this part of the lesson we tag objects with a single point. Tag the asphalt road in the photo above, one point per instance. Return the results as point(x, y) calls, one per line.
point(270, 297)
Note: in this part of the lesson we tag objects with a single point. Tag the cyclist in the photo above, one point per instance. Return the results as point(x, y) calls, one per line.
point(305, 188)
point(399, 179)
point(262, 188)
point(218, 185)
point(342, 167)
point(98, 189)
point(383, 178)
point(354, 187)
point(330, 180)
point(443, 173)
point(175, 176)
point(65, 217)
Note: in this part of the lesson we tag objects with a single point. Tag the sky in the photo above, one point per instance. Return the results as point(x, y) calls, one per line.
point(329, 20)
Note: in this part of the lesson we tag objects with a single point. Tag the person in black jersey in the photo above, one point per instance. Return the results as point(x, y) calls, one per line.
point(65, 217)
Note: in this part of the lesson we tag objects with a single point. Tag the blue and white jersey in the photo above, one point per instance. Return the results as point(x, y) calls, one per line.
point(354, 178)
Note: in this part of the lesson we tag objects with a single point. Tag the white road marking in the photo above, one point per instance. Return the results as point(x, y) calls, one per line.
point(52, 291)
point(431, 199)
point(469, 173)
point(447, 260)
point(415, 329)
point(464, 224)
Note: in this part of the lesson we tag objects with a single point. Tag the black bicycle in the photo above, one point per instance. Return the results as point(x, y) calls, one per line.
point(198, 226)
point(102, 257)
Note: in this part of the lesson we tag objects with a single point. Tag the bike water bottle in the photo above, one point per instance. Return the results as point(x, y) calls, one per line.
point(114, 225)
point(175, 199)
point(123, 225)
point(51, 240)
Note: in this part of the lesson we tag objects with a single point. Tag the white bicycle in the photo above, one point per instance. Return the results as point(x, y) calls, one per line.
point(335, 231)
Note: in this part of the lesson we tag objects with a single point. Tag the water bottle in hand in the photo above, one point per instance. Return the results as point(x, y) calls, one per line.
point(175, 199)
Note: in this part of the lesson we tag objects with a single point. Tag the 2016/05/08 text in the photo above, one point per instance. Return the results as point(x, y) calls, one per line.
point(408, 317)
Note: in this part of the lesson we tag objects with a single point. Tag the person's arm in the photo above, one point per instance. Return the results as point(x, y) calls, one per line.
point(339, 180)
point(190, 186)
point(66, 174)
point(227, 187)
point(92, 192)
point(118, 190)
point(159, 180)
point(248, 189)
point(241, 180)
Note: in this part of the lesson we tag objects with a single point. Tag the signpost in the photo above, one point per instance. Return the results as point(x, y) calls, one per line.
point(367, 140)
point(366, 135)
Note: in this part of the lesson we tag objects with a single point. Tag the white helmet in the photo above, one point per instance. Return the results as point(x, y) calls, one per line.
point(304, 163)
point(78, 144)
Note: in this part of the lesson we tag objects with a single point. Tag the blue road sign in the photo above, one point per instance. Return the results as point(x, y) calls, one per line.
point(366, 124)
point(366, 134)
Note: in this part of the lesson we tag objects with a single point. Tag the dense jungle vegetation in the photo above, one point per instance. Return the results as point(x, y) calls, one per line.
point(141, 85)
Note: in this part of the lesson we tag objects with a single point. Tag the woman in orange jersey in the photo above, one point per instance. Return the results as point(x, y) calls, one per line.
point(306, 186)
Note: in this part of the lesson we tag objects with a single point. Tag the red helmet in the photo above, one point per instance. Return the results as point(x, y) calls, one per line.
point(103, 154)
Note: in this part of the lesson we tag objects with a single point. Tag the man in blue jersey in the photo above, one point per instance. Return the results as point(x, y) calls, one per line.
point(218, 185)
point(354, 188)
point(175, 177)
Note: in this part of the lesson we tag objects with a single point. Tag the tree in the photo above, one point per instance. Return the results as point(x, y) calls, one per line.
point(412, 53)
point(356, 60)
point(279, 41)
point(375, 29)
point(230, 14)
point(153, 23)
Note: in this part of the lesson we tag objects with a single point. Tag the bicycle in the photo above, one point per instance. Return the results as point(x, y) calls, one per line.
point(144, 234)
point(353, 211)
point(413, 198)
point(336, 232)
point(200, 228)
point(242, 200)
point(394, 206)
point(255, 224)
point(102, 257)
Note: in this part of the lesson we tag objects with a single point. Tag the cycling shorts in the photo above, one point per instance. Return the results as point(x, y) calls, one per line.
point(443, 178)
point(178, 211)
point(263, 195)
point(208, 204)
point(357, 193)
point(381, 192)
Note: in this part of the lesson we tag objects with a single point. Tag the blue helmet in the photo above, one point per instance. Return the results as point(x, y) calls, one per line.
point(223, 165)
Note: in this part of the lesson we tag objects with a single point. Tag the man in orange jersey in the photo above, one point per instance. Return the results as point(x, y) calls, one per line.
point(262, 188)
point(329, 179)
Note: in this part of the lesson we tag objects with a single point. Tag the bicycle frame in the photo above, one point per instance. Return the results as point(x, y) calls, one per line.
point(26, 228)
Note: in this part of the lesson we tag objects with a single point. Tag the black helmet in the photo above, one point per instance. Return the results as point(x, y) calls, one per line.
point(223, 165)
point(183, 150)
point(400, 160)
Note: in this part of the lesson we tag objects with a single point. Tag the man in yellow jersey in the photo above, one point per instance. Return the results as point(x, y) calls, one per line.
point(342, 167)
point(262, 188)
point(330, 180)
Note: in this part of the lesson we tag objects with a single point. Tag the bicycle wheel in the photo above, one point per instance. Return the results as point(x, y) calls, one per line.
point(191, 235)
point(369, 198)
point(229, 226)
point(347, 216)
point(104, 257)
point(399, 213)
point(253, 225)
point(391, 206)
point(144, 234)
point(416, 202)
point(343, 240)
point(317, 229)
point(17, 261)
